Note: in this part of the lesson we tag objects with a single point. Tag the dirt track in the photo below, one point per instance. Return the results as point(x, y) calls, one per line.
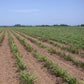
point(8, 73)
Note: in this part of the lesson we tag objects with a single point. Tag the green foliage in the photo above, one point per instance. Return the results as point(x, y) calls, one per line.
point(56, 69)
point(69, 35)
point(2, 37)
point(70, 48)
point(27, 46)
point(26, 78)
point(34, 41)
point(42, 58)
point(51, 50)
point(82, 25)
point(14, 48)
point(71, 80)
point(21, 65)
point(67, 57)
point(1, 29)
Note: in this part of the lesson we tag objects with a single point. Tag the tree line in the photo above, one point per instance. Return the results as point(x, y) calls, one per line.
point(19, 25)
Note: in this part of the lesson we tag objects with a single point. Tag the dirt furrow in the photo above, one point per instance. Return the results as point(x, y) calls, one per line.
point(79, 57)
point(66, 65)
point(33, 65)
point(8, 73)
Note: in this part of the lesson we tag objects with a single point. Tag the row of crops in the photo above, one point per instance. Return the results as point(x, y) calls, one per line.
point(47, 63)
point(37, 37)
point(55, 51)
point(73, 36)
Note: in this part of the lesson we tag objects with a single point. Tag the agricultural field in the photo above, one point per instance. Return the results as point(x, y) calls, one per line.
point(42, 55)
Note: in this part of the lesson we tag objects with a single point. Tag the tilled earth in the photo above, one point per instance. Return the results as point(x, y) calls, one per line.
point(8, 68)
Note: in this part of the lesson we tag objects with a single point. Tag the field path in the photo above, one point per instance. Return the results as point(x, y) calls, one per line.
point(33, 65)
point(8, 73)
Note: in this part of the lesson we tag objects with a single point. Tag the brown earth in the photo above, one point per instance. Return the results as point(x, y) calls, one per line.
point(8, 73)
point(77, 56)
point(66, 65)
point(43, 76)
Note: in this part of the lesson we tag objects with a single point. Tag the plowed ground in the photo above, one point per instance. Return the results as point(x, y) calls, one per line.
point(8, 68)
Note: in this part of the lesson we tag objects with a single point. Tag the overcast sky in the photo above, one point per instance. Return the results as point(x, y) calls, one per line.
point(37, 12)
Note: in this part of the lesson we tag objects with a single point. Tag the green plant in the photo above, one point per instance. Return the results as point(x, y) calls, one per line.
point(27, 46)
point(26, 78)
point(56, 69)
point(67, 57)
point(21, 65)
point(34, 41)
point(72, 36)
point(71, 80)
point(2, 37)
point(51, 50)
point(41, 58)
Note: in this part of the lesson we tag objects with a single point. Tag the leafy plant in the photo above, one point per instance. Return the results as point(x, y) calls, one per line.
point(2, 37)
point(56, 69)
point(26, 78)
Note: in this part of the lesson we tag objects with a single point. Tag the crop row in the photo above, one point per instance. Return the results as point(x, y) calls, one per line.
point(72, 36)
point(51, 66)
point(67, 57)
point(64, 55)
point(2, 37)
point(1, 31)
point(69, 48)
point(25, 77)
point(33, 41)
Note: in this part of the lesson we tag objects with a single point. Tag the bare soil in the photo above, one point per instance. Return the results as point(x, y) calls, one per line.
point(43, 76)
point(8, 73)
point(66, 65)
point(77, 56)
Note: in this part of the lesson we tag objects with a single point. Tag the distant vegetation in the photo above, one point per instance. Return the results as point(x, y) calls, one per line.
point(19, 25)
point(73, 36)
